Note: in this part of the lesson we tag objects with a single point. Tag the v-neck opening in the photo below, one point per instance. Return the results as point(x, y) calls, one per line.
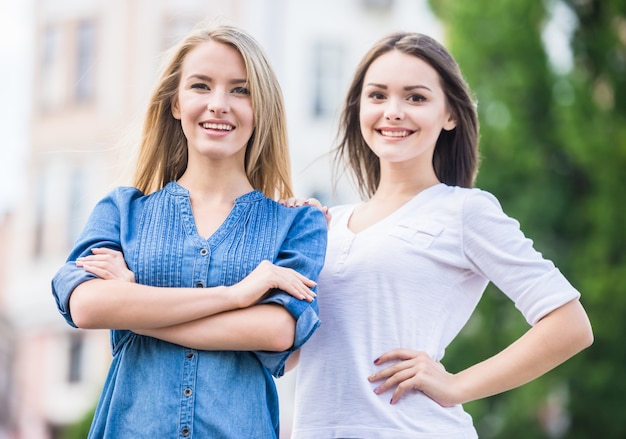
point(222, 231)
point(426, 193)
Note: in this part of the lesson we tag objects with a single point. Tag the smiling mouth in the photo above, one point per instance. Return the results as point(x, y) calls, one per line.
point(217, 126)
point(403, 133)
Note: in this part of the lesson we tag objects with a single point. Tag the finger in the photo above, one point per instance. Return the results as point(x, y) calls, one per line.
point(401, 389)
point(396, 354)
point(105, 251)
point(314, 202)
point(394, 380)
point(286, 271)
point(300, 289)
point(390, 371)
point(101, 273)
point(99, 259)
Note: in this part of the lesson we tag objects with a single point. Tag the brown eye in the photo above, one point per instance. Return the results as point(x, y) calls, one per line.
point(417, 98)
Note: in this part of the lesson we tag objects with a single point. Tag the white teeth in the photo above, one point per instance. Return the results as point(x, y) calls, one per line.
point(394, 133)
point(217, 126)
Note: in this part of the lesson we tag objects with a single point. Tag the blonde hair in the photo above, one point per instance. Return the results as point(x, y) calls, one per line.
point(163, 149)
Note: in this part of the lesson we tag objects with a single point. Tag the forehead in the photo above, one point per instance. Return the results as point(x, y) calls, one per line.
point(213, 56)
point(396, 67)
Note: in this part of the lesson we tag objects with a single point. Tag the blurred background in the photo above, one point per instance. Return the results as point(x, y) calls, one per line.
point(550, 80)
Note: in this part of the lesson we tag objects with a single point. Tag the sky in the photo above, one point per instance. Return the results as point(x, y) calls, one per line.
point(15, 42)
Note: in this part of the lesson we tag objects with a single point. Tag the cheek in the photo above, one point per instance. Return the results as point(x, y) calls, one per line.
point(367, 118)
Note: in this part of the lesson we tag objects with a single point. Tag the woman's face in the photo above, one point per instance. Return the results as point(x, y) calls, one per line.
point(214, 104)
point(403, 109)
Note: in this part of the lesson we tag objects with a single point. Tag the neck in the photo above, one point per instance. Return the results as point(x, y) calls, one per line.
point(215, 184)
point(401, 185)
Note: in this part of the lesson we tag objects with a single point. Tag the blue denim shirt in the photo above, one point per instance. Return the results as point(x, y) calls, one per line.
point(156, 389)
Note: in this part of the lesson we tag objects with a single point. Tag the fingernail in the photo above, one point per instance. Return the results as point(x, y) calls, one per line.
point(391, 401)
point(371, 378)
point(376, 390)
point(377, 360)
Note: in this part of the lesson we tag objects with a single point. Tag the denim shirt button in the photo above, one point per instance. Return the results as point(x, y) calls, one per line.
point(204, 252)
point(189, 355)
point(199, 284)
point(185, 431)
point(188, 391)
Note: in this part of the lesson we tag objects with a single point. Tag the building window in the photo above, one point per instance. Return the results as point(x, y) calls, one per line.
point(39, 210)
point(328, 62)
point(52, 68)
point(85, 61)
point(75, 369)
point(75, 201)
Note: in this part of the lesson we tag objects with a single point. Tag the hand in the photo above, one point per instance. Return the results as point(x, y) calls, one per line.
point(267, 276)
point(106, 264)
point(415, 371)
point(297, 202)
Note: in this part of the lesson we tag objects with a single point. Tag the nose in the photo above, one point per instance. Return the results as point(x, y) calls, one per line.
point(218, 103)
point(393, 110)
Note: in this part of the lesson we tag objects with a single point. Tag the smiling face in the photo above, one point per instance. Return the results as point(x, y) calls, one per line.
point(403, 109)
point(214, 104)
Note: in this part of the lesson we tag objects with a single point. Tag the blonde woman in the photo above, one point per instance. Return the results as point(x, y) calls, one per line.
point(222, 278)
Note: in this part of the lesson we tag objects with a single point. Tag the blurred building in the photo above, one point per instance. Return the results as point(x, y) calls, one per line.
point(95, 63)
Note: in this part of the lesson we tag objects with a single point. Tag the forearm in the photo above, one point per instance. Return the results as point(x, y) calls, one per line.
point(292, 361)
point(113, 304)
point(557, 337)
point(257, 328)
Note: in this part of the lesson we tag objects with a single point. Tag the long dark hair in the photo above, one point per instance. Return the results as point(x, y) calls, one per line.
point(455, 159)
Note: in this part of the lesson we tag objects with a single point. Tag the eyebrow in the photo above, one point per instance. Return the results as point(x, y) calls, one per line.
point(209, 79)
point(407, 88)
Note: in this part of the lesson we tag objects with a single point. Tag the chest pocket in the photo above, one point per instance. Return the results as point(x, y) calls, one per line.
point(418, 233)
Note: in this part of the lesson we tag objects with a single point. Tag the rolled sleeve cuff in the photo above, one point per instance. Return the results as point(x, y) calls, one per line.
point(307, 321)
point(536, 304)
point(63, 284)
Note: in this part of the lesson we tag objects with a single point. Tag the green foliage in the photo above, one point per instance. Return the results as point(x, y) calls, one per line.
point(553, 149)
point(79, 430)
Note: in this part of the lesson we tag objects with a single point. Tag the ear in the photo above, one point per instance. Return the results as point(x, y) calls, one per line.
point(175, 108)
point(450, 124)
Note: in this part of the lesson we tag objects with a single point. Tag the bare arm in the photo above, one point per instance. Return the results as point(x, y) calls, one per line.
point(558, 336)
point(293, 361)
point(112, 303)
point(261, 327)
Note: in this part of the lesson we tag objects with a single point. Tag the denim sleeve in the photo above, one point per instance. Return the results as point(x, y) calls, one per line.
point(303, 250)
point(101, 230)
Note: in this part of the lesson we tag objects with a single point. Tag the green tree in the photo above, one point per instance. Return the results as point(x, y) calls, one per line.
point(553, 148)
point(80, 429)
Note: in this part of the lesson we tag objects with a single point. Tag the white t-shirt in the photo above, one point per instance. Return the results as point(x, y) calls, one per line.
point(411, 280)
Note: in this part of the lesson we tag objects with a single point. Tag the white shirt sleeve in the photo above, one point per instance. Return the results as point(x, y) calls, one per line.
point(494, 244)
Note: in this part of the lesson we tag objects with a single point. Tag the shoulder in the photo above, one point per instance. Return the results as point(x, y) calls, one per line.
point(476, 200)
point(468, 200)
point(310, 215)
point(122, 194)
point(286, 216)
